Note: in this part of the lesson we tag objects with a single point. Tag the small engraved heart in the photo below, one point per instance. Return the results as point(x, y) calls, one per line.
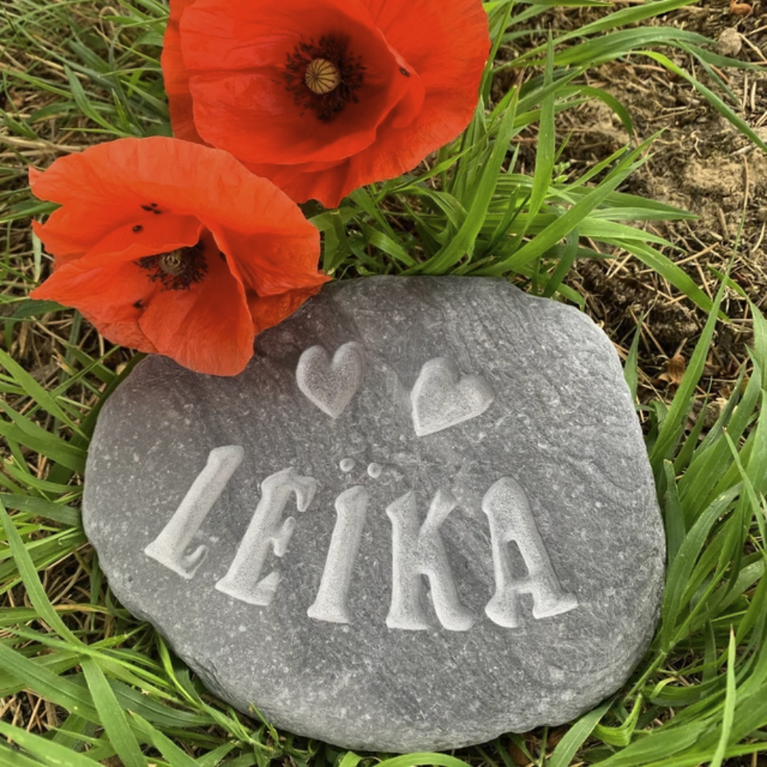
point(330, 385)
point(442, 397)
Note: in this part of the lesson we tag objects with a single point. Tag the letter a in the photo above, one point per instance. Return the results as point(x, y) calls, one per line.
point(508, 511)
point(264, 532)
point(168, 547)
point(417, 552)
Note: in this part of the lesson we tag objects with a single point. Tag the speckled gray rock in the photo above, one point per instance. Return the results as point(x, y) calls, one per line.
point(422, 517)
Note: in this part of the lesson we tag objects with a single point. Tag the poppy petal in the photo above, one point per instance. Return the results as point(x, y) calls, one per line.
point(111, 297)
point(113, 187)
point(409, 106)
point(303, 182)
point(129, 242)
point(207, 328)
point(115, 183)
point(265, 309)
point(261, 265)
point(222, 194)
point(176, 76)
point(71, 230)
point(59, 242)
point(461, 28)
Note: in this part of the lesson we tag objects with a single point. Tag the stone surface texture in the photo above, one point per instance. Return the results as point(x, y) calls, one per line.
point(271, 526)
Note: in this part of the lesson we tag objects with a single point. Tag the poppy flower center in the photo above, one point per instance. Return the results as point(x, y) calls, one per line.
point(172, 263)
point(324, 77)
point(321, 76)
point(177, 269)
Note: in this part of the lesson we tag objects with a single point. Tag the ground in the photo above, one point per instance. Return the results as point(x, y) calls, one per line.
point(701, 163)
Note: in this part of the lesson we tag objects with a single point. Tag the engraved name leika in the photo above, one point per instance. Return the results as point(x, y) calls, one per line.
point(418, 550)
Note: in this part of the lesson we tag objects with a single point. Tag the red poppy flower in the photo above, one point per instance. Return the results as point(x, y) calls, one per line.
point(175, 248)
point(324, 96)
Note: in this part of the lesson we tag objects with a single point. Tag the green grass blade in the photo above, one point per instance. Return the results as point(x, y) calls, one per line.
point(729, 706)
point(545, 154)
point(760, 342)
point(711, 97)
point(621, 18)
point(51, 754)
point(566, 258)
point(34, 390)
point(680, 571)
point(24, 431)
point(630, 367)
point(656, 746)
point(350, 759)
point(671, 272)
point(416, 760)
point(32, 583)
point(576, 736)
point(40, 507)
point(674, 423)
point(568, 221)
point(10, 757)
point(673, 516)
point(620, 736)
point(112, 716)
point(46, 683)
point(174, 755)
point(463, 242)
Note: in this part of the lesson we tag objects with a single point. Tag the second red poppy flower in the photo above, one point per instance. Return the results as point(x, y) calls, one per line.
point(174, 248)
point(325, 96)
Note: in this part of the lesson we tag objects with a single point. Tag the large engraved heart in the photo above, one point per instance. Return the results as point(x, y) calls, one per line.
point(442, 397)
point(330, 385)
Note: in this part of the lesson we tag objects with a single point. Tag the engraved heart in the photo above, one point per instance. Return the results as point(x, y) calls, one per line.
point(330, 385)
point(442, 397)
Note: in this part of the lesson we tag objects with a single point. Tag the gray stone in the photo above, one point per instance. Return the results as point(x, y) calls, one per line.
point(423, 516)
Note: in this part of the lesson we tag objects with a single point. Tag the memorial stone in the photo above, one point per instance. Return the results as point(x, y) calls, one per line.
point(423, 516)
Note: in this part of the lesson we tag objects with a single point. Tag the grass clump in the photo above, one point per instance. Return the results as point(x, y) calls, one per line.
point(83, 682)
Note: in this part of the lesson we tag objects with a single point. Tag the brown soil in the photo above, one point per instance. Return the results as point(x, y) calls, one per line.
point(701, 163)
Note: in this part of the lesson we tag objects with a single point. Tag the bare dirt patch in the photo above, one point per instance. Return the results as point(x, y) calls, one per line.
point(701, 163)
